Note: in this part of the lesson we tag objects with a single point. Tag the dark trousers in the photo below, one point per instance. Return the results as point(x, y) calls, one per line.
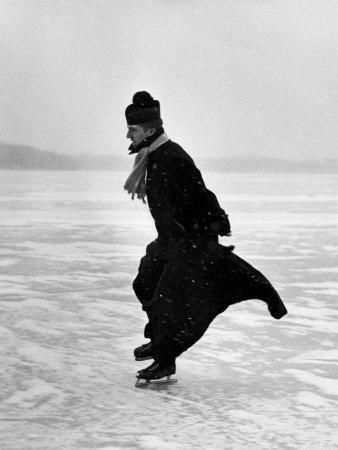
point(151, 269)
point(170, 289)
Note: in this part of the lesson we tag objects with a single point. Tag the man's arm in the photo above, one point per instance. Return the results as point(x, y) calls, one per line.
point(161, 201)
point(195, 190)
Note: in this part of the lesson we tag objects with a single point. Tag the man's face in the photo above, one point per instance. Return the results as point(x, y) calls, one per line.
point(137, 134)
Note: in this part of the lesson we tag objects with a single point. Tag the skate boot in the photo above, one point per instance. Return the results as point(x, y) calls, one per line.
point(277, 308)
point(157, 372)
point(143, 352)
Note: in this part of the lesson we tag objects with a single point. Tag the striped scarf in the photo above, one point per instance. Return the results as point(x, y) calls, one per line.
point(136, 182)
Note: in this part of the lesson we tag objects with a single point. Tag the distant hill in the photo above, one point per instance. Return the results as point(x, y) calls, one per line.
point(22, 157)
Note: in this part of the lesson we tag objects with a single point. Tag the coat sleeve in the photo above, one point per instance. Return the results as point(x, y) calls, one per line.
point(162, 204)
point(206, 204)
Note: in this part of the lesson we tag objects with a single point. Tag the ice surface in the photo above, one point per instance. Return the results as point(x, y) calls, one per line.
point(70, 245)
point(325, 269)
point(327, 385)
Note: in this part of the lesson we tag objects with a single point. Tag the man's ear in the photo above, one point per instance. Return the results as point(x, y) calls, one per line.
point(151, 131)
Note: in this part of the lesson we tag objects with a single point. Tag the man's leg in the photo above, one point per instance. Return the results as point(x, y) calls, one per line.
point(181, 309)
point(181, 312)
point(149, 273)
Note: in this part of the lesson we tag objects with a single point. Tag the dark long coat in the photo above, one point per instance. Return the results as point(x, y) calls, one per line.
point(186, 277)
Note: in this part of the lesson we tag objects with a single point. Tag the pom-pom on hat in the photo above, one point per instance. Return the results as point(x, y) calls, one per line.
point(144, 111)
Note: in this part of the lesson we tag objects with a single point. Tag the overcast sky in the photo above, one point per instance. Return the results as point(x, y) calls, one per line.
point(233, 77)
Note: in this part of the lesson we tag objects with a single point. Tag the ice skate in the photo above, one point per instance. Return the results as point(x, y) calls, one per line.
point(143, 352)
point(156, 373)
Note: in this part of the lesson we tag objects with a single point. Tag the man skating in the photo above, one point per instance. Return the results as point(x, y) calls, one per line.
point(186, 278)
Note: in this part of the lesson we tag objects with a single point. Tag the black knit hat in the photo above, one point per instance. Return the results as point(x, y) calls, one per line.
point(144, 111)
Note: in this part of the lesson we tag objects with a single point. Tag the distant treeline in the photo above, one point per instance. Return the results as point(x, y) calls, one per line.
point(21, 157)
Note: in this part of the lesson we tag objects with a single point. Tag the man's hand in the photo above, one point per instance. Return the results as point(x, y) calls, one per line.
point(221, 227)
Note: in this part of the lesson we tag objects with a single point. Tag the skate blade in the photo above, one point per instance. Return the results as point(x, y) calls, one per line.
point(142, 382)
point(143, 359)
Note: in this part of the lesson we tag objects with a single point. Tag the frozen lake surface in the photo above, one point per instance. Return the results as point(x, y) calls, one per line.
point(70, 244)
